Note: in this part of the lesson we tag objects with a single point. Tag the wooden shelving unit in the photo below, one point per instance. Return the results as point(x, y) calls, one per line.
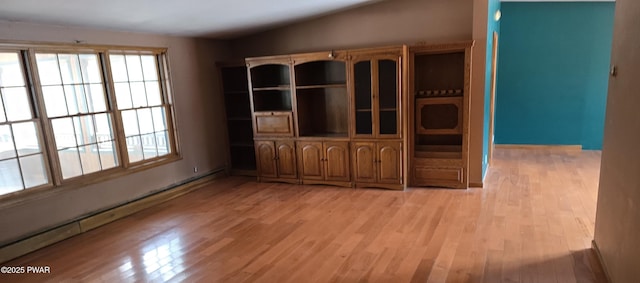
point(238, 111)
point(439, 113)
point(378, 117)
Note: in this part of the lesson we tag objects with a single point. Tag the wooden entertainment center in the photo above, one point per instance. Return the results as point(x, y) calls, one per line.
point(379, 117)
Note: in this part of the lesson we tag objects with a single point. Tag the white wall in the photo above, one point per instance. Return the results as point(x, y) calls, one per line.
point(199, 116)
point(617, 228)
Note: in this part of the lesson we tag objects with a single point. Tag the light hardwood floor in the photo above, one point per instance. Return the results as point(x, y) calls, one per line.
point(533, 222)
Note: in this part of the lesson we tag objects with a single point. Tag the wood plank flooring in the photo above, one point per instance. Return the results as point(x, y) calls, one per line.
point(533, 222)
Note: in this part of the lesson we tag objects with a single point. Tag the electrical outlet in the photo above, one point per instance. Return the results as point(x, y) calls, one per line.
point(195, 169)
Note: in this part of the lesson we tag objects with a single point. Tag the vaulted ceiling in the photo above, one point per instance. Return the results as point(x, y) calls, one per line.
point(203, 18)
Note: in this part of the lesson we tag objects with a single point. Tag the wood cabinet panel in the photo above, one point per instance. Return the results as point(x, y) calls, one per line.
point(274, 124)
point(424, 175)
point(266, 159)
point(311, 158)
point(336, 161)
point(364, 162)
point(286, 159)
point(389, 162)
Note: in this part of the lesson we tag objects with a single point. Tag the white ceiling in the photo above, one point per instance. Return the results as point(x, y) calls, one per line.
point(207, 18)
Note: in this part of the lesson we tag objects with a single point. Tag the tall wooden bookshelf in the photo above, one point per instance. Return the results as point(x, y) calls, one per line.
point(238, 111)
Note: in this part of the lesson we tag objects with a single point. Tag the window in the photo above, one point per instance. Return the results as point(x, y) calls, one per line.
point(22, 163)
point(67, 115)
point(138, 96)
point(76, 107)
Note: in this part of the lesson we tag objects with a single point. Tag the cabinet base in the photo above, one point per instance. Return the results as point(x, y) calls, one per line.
point(331, 183)
point(278, 180)
point(381, 186)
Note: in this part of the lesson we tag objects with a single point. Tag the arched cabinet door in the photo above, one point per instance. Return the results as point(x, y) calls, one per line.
point(266, 159)
point(389, 162)
point(364, 162)
point(286, 159)
point(336, 161)
point(311, 160)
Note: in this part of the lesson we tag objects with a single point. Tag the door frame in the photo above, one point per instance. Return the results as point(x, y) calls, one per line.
point(492, 105)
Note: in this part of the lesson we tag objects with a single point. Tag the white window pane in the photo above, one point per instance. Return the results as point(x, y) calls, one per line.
point(89, 159)
point(134, 68)
point(159, 119)
point(95, 98)
point(162, 142)
point(7, 150)
point(149, 146)
point(17, 102)
point(48, 69)
point(103, 128)
point(149, 67)
point(90, 68)
point(10, 70)
point(75, 99)
point(85, 132)
point(118, 68)
point(63, 132)
point(134, 148)
point(107, 155)
point(70, 68)
point(145, 120)
point(123, 95)
point(153, 93)
point(138, 94)
point(3, 118)
point(33, 171)
point(26, 138)
point(54, 101)
point(10, 179)
point(130, 121)
point(70, 163)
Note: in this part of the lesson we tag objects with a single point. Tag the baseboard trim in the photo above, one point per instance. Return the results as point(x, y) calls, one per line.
point(539, 146)
point(594, 247)
point(64, 231)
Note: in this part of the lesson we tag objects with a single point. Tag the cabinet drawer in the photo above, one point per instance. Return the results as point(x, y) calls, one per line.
point(426, 175)
point(274, 124)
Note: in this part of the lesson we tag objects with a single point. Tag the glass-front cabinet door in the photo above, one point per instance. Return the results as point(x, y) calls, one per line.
point(376, 91)
point(387, 97)
point(363, 98)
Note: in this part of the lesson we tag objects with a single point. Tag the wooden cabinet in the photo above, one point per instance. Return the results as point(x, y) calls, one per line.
point(377, 164)
point(238, 111)
point(324, 162)
point(379, 117)
point(276, 160)
point(439, 114)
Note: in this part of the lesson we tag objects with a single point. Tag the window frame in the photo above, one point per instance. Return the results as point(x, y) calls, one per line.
point(25, 68)
point(56, 183)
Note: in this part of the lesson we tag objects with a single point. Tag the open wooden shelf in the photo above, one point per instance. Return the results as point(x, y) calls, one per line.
point(270, 76)
point(315, 73)
point(271, 88)
point(322, 86)
point(323, 111)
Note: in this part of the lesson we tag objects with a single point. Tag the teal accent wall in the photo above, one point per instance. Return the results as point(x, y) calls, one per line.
point(492, 26)
point(553, 73)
